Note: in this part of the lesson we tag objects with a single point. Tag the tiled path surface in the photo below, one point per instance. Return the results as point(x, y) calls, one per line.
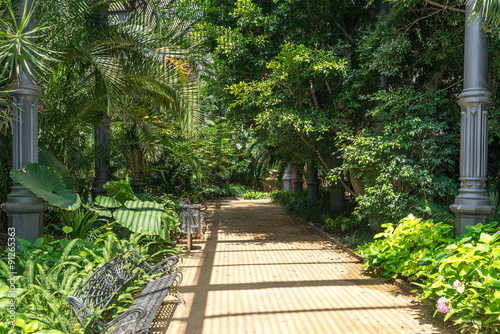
point(260, 271)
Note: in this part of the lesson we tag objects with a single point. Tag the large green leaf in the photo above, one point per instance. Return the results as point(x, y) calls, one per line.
point(47, 159)
point(141, 216)
point(48, 184)
point(119, 190)
point(108, 202)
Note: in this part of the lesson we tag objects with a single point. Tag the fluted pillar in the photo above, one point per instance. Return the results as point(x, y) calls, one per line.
point(287, 178)
point(102, 152)
point(473, 205)
point(24, 210)
point(312, 182)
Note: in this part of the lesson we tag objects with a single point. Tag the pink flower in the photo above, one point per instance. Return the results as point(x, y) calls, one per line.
point(497, 231)
point(457, 285)
point(442, 305)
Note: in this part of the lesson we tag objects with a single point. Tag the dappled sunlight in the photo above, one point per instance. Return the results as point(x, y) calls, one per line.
point(294, 283)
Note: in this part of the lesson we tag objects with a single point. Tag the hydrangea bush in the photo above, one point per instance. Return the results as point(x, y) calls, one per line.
point(461, 274)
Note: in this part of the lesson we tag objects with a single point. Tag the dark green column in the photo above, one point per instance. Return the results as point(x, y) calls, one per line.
point(24, 210)
point(473, 205)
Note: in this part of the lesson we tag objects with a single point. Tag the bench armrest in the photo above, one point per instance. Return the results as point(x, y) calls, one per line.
point(141, 313)
point(161, 267)
point(81, 310)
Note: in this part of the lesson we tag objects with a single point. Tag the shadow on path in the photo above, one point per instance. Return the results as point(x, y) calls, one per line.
point(260, 271)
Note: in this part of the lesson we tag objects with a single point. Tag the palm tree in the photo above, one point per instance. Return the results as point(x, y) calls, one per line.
point(488, 9)
point(114, 65)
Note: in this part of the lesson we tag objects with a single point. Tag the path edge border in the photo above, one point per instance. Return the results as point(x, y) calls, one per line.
point(405, 286)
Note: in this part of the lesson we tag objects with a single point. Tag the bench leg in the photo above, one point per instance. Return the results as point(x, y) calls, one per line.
point(175, 285)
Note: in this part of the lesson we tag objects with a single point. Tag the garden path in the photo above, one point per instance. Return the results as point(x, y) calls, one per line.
point(259, 270)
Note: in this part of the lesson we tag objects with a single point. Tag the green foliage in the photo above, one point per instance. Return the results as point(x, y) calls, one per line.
point(47, 184)
point(256, 195)
point(356, 239)
point(47, 159)
point(434, 211)
point(120, 191)
point(410, 158)
point(471, 260)
point(18, 53)
point(78, 223)
point(344, 223)
point(284, 197)
point(136, 215)
point(48, 270)
point(461, 272)
point(176, 176)
point(228, 190)
point(407, 247)
point(139, 216)
point(310, 210)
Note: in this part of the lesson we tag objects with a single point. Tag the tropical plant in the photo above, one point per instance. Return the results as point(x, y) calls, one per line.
point(48, 270)
point(47, 184)
point(460, 274)
point(407, 248)
point(80, 222)
point(136, 215)
point(285, 197)
point(411, 157)
point(114, 61)
point(256, 195)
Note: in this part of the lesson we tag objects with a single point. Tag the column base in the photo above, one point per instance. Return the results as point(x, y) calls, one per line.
point(470, 214)
point(25, 213)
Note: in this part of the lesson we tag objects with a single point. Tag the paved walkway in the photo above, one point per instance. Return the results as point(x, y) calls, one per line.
point(260, 271)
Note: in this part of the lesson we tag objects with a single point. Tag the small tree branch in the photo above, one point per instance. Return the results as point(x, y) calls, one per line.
point(454, 9)
point(313, 94)
point(328, 86)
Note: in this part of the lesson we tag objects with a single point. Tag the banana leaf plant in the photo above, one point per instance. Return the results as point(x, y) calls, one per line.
point(136, 215)
point(121, 205)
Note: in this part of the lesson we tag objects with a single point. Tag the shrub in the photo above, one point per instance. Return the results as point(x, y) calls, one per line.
point(228, 190)
point(467, 279)
point(310, 210)
point(461, 274)
point(256, 195)
point(48, 270)
point(406, 246)
point(411, 157)
point(284, 197)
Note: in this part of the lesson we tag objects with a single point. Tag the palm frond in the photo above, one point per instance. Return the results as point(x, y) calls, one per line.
point(489, 10)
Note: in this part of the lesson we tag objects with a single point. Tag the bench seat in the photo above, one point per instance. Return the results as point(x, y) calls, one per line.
point(150, 300)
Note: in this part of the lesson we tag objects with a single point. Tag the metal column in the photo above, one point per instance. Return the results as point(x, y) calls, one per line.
point(287, 178)
point(473, 205)
point(24, 210)
point(312, 182)
point(102, 152)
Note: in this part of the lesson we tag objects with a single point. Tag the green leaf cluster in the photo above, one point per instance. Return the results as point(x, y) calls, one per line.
point(47, 271)
point(464, 270)
point(403, 249)
point(411, 156)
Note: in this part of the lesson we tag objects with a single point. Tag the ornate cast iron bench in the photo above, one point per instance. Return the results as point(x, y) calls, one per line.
point(96, 294)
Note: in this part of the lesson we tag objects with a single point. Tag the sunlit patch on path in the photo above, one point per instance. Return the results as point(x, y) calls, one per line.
point(260, 271)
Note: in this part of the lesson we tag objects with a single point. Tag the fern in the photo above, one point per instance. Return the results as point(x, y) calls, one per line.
point(434, 211)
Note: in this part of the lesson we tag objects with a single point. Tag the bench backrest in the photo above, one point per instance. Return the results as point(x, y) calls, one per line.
point(100, 289)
